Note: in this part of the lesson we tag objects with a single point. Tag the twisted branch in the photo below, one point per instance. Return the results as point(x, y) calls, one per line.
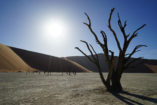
point(111, 29)
point(84, 54)
point(134, 51)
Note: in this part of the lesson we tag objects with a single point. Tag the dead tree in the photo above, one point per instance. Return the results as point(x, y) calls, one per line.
point(124, 60)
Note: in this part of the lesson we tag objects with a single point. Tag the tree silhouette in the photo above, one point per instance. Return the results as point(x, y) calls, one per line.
point(124, 61)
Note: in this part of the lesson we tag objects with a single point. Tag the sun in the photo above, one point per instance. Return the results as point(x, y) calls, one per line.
point(54, 28)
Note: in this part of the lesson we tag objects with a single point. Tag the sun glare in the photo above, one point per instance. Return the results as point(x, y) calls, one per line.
point(55, 29)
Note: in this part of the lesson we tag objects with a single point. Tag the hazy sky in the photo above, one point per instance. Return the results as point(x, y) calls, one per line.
point(22, 21)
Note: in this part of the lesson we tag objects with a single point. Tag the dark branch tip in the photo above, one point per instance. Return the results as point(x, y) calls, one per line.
point(82, 41)
point(112, 9)
point(118, 15)
point(85, 13)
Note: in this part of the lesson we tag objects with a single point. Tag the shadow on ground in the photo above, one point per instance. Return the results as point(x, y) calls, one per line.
point(129, 101)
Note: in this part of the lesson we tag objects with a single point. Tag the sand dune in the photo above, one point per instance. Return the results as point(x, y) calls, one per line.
point(80, 66)
point(10, 61)
point(75, 63)
point(143, 68)
point(48, 63)
point(152, 67)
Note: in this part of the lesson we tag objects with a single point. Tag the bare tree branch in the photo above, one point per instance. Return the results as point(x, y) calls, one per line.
point(112, 55)
point(111, 29)
point(111, 68)
point(104, 37)
point(139, 28)
point(134, 51)
point(105, 46)
point(90, 28)
point(135, 33)
point(89, 21)
point(95, 53)
point(122, 27)
point(89, 50)
point(105, 49)
point(85, 54)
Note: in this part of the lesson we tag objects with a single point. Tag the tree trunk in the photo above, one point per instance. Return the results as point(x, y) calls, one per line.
point(102, 78)
point(116, 84)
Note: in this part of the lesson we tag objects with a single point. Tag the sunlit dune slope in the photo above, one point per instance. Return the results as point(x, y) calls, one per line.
point(48, 63)
point(152, 67)
point(76, 64)
point(11, 62)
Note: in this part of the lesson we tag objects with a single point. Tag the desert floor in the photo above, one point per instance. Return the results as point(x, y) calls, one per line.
point(82, 89)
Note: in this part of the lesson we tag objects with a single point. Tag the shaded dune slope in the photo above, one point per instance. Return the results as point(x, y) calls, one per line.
point(48, 63)
point(11, 62)
point(149, 66)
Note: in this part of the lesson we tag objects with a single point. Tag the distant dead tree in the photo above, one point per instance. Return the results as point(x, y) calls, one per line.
point(124, 61)
point(74, 71)
point(49, 66)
